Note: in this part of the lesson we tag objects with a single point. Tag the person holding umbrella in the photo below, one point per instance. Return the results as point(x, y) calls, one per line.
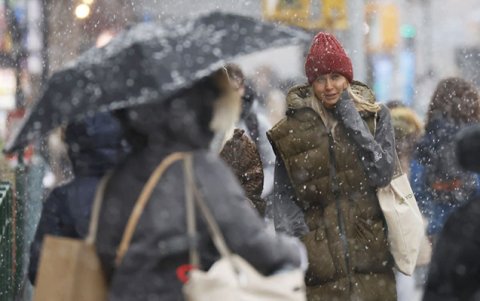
point(334, 148)
point(155, 263)
point(158, 63)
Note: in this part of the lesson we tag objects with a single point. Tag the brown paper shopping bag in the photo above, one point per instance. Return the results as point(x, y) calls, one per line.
point(69, 270)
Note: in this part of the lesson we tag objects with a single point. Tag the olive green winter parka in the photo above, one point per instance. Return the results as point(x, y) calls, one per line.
point(330, 163)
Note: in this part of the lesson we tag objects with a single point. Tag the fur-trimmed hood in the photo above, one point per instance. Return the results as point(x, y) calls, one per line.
point(405, 122)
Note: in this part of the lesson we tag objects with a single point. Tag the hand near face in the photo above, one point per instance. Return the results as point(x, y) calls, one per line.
point(328, 88)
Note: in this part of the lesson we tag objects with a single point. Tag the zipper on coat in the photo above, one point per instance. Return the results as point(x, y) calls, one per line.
point(341, 221)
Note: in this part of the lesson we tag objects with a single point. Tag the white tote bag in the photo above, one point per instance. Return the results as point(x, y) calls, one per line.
point(231, 278)
point(404, 222)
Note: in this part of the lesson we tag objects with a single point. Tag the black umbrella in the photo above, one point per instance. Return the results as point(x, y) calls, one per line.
point(149, 62)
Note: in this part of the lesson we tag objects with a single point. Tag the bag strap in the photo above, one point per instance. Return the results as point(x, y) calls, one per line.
point(214, 229)
point(96, 206)
point(142, 201)
point(190, 214)
point(398, 167)
point(397, 172)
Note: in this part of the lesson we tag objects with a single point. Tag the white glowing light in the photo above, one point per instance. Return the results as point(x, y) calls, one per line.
point(104, 38)
point(82, 11)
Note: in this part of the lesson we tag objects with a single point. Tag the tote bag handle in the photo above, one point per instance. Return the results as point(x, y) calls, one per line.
point(142, 202)
point(194, 197)
point(97, 204)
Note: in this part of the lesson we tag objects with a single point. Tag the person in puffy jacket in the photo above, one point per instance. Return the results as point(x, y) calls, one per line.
point(334, 148)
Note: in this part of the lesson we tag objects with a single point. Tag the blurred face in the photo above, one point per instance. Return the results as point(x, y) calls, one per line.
point(329, 87)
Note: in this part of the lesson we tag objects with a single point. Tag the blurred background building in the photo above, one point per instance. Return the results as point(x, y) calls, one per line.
point(399, 47)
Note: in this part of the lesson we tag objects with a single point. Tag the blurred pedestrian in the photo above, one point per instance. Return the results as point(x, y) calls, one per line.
point(158, 255)
point(94, 145)
point(254, 122)
point(241, 154)
point(334, 148)
point(455, 267)
point(439, 184)
point(271, 97)
point(408, 129)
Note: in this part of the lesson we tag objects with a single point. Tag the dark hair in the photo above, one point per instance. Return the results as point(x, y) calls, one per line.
point(455, 99)
point(184, 116)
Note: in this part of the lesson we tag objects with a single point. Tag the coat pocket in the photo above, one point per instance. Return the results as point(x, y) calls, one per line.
point(321, 267)
point(370, 247)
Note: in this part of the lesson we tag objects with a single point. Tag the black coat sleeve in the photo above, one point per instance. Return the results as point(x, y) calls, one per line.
point(455, 268)
point(376, 153)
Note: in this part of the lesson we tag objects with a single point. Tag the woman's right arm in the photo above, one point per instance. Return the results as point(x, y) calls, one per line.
point(377, 152)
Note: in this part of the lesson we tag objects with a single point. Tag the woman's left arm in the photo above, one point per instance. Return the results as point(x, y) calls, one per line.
point(377, 153)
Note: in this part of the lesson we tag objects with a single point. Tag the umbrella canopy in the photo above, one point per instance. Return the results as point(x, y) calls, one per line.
point(149, 62)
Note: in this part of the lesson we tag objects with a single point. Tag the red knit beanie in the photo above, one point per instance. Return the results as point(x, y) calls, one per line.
point(326, 55)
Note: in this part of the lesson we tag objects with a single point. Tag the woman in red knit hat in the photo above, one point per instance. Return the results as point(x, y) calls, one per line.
point(334, 148)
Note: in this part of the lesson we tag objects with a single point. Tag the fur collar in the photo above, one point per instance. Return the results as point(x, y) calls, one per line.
point(300, 96)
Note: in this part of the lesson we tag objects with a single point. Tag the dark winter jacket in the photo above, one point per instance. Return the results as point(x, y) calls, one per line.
point(241, 154)
point(455, 266)
point(439, 184)
point(159, 247)
point(95, 146)
point(332, 176)
point(254, 121)
point(454, 271)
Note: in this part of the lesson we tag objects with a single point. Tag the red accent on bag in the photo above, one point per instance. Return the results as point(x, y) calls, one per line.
point(182, 272)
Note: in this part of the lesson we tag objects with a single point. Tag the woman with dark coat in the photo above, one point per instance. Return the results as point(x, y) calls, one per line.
point(455, 267)
point(439, 183)
point(95, 145)
point(158, 253)
point(254, 122)
point(334, 148)
point(241, 154)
